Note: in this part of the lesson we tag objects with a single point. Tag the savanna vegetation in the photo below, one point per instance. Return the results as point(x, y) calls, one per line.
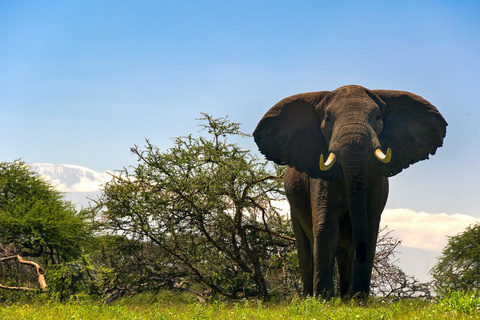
point(456, 305)
point(193, 224)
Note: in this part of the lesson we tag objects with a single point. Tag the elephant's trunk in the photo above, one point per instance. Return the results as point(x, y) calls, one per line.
point(355, 151)
point(355, 176)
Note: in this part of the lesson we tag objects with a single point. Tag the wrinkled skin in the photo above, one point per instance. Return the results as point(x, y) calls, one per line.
point(336, 210)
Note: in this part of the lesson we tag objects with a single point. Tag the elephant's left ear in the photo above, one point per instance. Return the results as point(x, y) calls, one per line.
point(412, 128)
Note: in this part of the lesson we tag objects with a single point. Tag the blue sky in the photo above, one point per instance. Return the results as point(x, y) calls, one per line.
point(81, 82)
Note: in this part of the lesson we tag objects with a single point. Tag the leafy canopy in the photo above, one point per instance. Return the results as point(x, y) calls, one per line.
point(459, 266)
point(36, 218)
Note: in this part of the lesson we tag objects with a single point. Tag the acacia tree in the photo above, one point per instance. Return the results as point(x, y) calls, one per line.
point(388, 280)
point(204, 209)
point(458, 268)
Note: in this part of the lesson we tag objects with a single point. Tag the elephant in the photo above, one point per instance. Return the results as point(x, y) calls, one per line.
point(365, 136)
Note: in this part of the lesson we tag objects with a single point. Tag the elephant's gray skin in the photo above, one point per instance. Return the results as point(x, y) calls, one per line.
point(336, 208)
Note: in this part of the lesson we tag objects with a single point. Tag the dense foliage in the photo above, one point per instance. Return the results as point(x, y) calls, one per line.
point(40, 226)
point(458, 268)
point(200, 213)
point(36, 218)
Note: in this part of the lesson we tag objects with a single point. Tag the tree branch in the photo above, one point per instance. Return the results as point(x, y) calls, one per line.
point(39, 270)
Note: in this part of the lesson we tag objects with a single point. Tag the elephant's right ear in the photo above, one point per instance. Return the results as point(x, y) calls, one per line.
point(289, 134)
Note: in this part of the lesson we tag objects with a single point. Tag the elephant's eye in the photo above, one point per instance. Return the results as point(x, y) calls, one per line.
point(379, 117)
point(327, 118)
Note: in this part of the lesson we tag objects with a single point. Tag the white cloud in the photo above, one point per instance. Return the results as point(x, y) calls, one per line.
point(427, 231)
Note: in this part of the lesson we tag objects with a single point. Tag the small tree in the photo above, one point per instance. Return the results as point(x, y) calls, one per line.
point(458, 268)
point(35, 222)
point(388, 280)
point(204, 210)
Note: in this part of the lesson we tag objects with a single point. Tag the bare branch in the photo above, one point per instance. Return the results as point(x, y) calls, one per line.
point(39, 270)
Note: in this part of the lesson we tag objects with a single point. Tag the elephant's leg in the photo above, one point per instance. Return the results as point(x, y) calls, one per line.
point(305, 256)
point(344, 263)
point(362, 271)
point(345, 254)
point(324, 252)
point(376, 204)
point(302, 227)
point(297, 192)
point(325, 217)
point(377, 199)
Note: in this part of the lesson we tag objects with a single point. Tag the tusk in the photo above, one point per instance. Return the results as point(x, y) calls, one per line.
point(382, 157)
point(329, 163)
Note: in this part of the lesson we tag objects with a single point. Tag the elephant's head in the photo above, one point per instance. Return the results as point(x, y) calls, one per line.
point(351, 129)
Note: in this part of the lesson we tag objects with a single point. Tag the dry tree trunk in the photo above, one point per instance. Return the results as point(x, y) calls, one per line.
point(41, 277)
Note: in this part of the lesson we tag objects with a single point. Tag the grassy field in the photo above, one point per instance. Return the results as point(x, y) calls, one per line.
point(455, 306)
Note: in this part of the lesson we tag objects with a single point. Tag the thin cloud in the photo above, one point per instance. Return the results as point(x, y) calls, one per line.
point(422, 230)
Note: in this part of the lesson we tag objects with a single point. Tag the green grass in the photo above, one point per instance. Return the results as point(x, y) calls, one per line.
point(454, 306)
